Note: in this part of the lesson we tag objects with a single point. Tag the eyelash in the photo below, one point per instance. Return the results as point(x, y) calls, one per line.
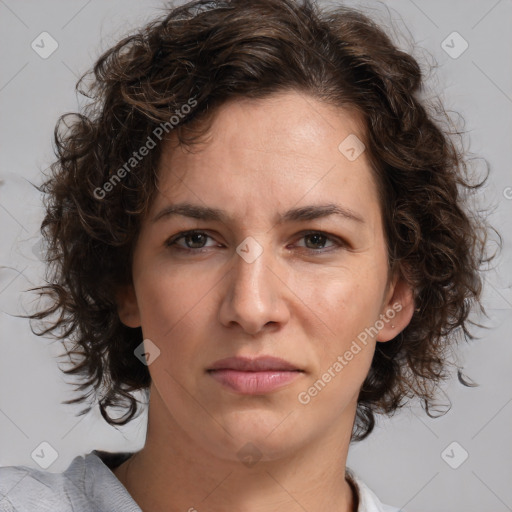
point(171, 243)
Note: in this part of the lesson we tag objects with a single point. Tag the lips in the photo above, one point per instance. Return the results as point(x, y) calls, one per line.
point(260, 364)
point(254, 376)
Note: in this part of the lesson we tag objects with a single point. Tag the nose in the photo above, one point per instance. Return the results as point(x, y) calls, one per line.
point(254, 296)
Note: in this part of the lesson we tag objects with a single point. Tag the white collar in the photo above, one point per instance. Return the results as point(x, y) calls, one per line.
point(368, 501)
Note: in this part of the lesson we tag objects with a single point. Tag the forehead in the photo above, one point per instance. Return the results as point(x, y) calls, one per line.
point(271, 153)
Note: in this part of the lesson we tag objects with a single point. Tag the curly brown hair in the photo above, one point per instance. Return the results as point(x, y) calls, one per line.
point(205, 53)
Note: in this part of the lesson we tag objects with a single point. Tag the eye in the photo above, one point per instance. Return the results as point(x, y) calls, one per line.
point(316, 240)
point(194, 241)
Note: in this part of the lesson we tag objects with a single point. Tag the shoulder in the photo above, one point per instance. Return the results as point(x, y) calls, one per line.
point(368, 501)
point(86, 485)
point(23, 488)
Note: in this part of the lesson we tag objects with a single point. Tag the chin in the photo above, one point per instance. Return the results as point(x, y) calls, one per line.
point(255, 434)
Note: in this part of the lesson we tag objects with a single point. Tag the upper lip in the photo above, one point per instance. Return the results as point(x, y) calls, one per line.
point(259, 364)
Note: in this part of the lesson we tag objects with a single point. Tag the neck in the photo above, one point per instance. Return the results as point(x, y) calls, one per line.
point(173, 473)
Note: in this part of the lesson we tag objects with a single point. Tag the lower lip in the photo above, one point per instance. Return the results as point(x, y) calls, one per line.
point(254, 383)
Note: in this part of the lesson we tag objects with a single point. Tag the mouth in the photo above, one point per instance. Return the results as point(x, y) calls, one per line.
point(259, 364)
point(254, 376)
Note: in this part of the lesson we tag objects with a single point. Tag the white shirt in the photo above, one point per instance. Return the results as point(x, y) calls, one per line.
point(88, 485)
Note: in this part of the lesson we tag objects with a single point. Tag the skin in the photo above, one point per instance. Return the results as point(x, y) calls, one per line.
point(303, 299)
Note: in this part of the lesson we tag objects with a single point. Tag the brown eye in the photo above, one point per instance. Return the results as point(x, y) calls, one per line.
point(195, 240)
point(317, 240)
point(192, 241)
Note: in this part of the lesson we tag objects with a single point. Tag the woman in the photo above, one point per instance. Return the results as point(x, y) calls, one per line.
point(258, 222)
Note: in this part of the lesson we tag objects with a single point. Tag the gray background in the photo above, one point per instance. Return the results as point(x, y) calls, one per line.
point(402, 460)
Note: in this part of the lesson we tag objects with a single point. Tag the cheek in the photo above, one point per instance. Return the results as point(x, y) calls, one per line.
point(346, 300)
point(166, 301)
point(349, 304)
point(344, 356)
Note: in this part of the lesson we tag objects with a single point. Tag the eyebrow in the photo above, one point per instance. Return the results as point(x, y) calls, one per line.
point(303, 213)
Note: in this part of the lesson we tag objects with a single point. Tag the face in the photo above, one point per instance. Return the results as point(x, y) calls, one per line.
point(288, 260)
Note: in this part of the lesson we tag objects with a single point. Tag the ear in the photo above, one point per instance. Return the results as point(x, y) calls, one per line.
point(397, 311)
point(127, 306)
